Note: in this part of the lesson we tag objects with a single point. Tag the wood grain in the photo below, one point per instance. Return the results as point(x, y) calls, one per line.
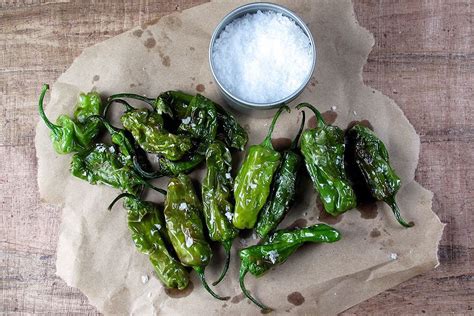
point(423, 58)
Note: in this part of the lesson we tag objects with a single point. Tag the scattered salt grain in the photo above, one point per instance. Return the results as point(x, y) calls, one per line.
point(252, 185)
point(333, 108)
point(150, 294)
point(227, 176)
point(354, 112)
point(229, 215)
point(145, 279)
point(262, 57)
point(273, 256)
point(182, 206)
point(188, 240)
point(186, 120)
point(393, 256)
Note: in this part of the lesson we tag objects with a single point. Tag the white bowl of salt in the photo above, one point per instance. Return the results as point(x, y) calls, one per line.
point(261, 56)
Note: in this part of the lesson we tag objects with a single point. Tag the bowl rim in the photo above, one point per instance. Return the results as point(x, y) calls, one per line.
point(252, 8)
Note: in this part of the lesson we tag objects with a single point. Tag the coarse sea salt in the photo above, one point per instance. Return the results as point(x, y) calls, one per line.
point(262, 57)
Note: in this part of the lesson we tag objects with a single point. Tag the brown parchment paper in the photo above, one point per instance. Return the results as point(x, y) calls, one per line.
point(95, 251)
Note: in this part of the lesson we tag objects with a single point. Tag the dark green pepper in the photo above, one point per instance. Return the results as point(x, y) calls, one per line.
point(183, 212)
point(323, 151)
point(371, 157)
point(277, 248)
point(101, 164)
point(228, 127)
point(252, 184)
point(283, 189)
point(147, 225)
point(217, 199)
point(158, 105)
point(147, 129)
point(69, 135)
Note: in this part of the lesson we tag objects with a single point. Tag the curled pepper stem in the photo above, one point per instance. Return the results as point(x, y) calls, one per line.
point(227, 245)
point(247, 294)
point(145, 174)
point(127, 105)
point(319, 117)
point(267, 142)
point(294, 144)
point(110, 128)
point(120, 196)
point(396, 211)
point(151, 186)
point(202, 277)
point(134, 96)
point(53, 127)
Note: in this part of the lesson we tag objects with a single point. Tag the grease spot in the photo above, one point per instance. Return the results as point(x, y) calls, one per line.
point(311, 218)
point(368, 210)
point(296, 298)
point(173, 22)
point(247, 127)
point(238, 298)
point(192, 49)
point(325, 216)
point(193, 78)
point(137, 33)
point(200, 87)
point(132, 85)
point(375, 233)
point(281, 143)
point(165, 60)
point(95, 78)
point(150, 42)
point(329, 117)
point(175, 293)
point(224, 306)
point(299, 223)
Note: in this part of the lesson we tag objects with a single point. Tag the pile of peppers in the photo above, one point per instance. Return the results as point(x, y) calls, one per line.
point(182, 132)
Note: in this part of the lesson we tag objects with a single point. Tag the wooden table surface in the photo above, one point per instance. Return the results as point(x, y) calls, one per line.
point(423, 59)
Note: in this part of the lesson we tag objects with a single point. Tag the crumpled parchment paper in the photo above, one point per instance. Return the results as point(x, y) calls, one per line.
point(95, 251)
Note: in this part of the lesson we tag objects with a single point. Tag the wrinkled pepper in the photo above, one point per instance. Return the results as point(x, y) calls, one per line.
point(323, 151)
point(101, 164)
point(277, 248)
point(183, 212)
point(252, 184)
point(217, 199)
point(72, 135)
point(147, 129)
point(371, 157)
point(283, 188)
point(147, 225)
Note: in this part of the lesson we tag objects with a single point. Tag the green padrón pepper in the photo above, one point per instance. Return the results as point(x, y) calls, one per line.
point(72, 135)
point(147, 225)
point(147, 129)
point(183, 212)
point(277, 248)
point(217, 199)
point(252, 184)
point(323, 151)
point(371, 157)
point(283, 189)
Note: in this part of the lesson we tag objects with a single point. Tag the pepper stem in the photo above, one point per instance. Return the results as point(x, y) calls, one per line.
point(202, 277)
point(294, 144)
point(51, 126)
point(110, 128)
point(227, 245)
point(247, 294)
point(151, 186)
point(128, 107)
point(120, 196)
point(134, 96)
point(145, 174)
point(267, 142)
point(319, 117)
point(396, 211)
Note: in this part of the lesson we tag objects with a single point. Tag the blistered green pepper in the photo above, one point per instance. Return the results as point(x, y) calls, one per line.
point(183, 212)
point(101, 164)
point(283, 189)
point(147, 225)
point(228, 128)
point(252, 184)
point(147, 129)
point(277, 248)
point(371, 157)
point(72, 135)
point(323, 151)
point(217, 199)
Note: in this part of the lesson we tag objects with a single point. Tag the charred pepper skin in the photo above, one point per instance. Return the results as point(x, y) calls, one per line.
point(217, 199)
point(252, 184)
point(147, 226)
point(183, 212)
point(283, 189)
point(277, 248)
point(371, 157)
point(323, 151)
point(71, 135)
